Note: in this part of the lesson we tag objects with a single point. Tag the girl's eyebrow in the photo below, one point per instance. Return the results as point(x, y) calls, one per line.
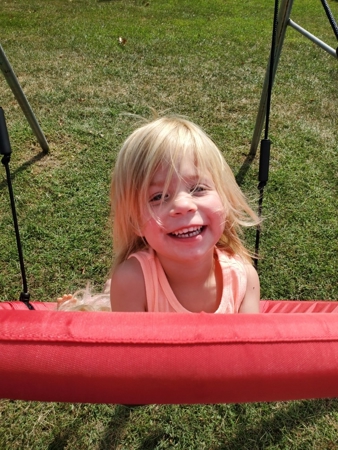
point(157, 183)
point(160, 179)
point(199, 179)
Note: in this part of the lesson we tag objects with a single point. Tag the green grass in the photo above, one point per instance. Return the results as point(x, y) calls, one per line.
point(205, 59)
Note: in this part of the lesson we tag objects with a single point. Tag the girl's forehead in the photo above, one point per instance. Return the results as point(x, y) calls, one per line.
point(185, 170)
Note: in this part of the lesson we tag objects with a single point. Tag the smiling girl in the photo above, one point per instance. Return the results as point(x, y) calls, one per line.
point(177, 215)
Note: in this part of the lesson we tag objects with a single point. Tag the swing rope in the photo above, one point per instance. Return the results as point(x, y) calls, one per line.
point(331, 18)
point(5, 150)
point(264, 157)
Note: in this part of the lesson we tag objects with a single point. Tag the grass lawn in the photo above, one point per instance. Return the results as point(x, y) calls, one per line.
point(205, 59)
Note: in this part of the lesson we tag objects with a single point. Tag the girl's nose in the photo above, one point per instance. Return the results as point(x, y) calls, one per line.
point(182, 204)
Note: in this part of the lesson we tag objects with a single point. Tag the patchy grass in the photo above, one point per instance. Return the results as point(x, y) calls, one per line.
point(204, 59)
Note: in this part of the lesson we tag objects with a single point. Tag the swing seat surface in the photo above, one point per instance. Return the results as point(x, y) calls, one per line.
point(289, 352)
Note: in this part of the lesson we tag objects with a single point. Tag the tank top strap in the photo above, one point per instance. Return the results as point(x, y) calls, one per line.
point(146, 260)
point(234, 282)
point(160, 297)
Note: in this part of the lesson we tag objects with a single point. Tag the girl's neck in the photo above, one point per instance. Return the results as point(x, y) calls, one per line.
point(197, 286)
point(188, 271)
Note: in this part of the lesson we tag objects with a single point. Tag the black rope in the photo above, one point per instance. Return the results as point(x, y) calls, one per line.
point(5, 149)
point(330, 17)
point(264, 158)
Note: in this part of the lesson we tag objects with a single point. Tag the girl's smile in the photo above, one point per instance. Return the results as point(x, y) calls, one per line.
point(188, 232)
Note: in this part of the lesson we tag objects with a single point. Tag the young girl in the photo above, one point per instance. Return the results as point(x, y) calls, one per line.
point(177, 213)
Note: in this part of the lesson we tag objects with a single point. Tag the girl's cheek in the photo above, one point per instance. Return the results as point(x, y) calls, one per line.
point(146, 215)
point(221, 214)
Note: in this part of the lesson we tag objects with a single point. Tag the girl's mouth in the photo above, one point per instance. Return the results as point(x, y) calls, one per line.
point(188, 232)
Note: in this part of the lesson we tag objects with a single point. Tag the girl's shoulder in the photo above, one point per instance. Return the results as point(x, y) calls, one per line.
point(127, 289)
point(241, 265)
point(251, 301)
point(230, 258)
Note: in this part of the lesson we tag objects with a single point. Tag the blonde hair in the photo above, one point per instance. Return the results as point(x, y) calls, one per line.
point(85, 300)
point(168, 140)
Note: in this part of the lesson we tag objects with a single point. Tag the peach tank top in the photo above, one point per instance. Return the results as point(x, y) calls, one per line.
point(160, 297)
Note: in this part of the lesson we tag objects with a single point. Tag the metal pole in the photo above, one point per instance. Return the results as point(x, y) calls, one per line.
point(283, 18)
point(22, 100)
point(313, 38)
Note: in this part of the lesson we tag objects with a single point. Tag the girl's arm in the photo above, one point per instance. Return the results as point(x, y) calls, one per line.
point(127, 289)
point(250, 303)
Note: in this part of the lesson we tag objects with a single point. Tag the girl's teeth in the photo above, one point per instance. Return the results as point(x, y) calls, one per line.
point(188, 232)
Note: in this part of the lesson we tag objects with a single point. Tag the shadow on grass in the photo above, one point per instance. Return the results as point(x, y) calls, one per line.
point(23, 167)
point(156, 437)
point(245, 167)
point(272, 429)
point(62, 437)
point(268, 430)
point(116, 427)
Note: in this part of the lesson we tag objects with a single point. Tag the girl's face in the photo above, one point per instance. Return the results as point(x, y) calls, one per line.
point(188, 220)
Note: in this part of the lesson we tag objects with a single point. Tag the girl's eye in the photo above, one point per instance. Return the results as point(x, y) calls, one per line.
point(157, 198)
point(199, 188)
